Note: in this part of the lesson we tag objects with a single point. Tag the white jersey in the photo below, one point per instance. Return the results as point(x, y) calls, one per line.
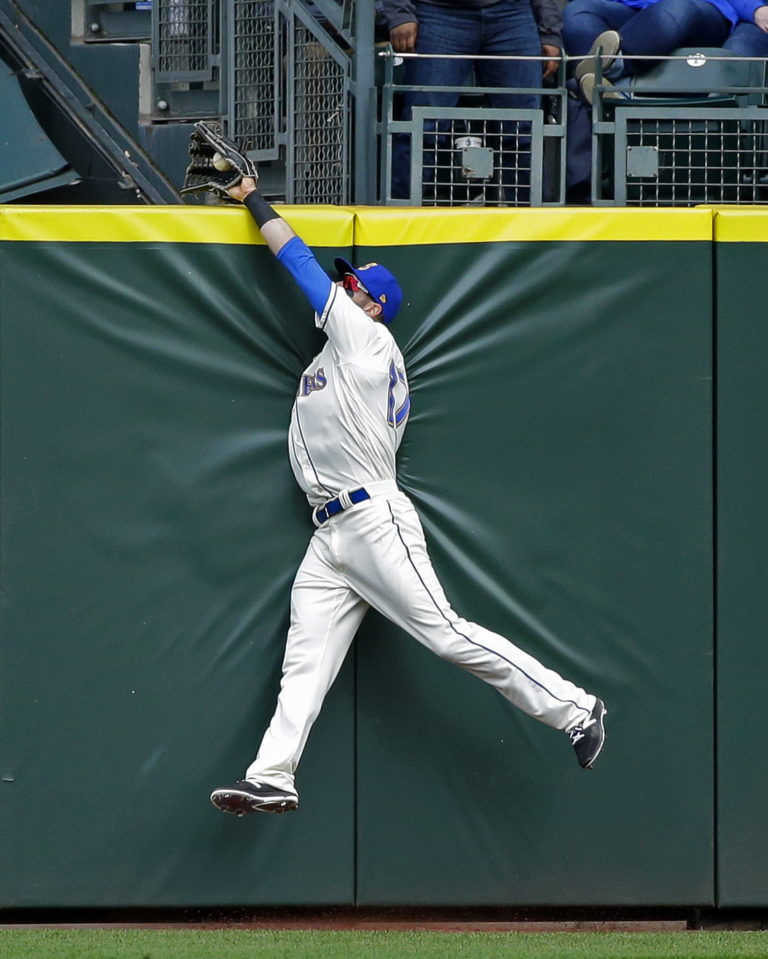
point(351, 406)
point(348, 420)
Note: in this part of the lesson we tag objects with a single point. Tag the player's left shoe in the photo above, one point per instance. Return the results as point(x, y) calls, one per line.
point(588, 738)
point(245, 797)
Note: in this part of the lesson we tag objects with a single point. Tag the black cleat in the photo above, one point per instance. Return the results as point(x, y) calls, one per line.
point(588, 738)
point(246, 797)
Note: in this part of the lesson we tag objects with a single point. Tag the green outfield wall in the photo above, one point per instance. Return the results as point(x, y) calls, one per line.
point(584, 451)
point(742, 554)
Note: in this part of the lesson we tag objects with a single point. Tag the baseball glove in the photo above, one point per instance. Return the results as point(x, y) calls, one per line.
point(216, 163)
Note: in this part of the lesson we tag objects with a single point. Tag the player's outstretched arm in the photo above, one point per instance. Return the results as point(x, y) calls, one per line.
point(286, 245)
point(274, 229)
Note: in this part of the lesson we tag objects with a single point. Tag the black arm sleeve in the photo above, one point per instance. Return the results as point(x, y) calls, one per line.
point(261, 211)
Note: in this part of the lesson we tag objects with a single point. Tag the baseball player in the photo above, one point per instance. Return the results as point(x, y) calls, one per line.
point(368, 548)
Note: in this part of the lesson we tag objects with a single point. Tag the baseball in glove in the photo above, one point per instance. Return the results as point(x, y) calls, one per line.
point(216, 163)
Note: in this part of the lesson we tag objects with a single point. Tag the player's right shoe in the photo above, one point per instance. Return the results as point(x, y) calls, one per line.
point(588, 738)
point(246, 797)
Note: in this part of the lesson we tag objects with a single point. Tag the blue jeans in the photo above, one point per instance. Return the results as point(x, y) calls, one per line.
point(658, 29)
point(506, 28)
point(747, 40)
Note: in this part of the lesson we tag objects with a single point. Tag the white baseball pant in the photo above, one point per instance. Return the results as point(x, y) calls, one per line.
point(374, 554)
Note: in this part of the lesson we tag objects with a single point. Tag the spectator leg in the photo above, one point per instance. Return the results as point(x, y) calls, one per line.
point(441, 30)
point(583, 20)
point(509, 29)
point(747, 40)
point(669, 24)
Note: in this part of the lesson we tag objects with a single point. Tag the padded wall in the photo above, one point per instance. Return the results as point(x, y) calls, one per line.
point(560, 455)
point(151, 531)
point(742, 569)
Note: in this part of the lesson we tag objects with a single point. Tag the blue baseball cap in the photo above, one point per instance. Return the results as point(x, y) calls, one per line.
point(380, 283)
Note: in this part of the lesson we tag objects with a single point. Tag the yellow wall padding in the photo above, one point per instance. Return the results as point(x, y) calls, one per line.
point(392, 226)
point(372, 226)
point(318, 225)
point(742, 225)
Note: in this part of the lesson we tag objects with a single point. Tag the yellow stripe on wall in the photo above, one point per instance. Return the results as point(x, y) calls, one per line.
point(396, 226)
point(327, 226)
point(742, 225)
point(319, 226)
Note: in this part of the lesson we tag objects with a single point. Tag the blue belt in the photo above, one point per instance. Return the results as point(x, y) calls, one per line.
point(335, 506)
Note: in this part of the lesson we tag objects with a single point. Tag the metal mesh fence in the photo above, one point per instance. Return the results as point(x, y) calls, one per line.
point(254, 113)
point(470, 156)
point(484, 162)
point(185, 38)
point(320, 121)
point(686, 160)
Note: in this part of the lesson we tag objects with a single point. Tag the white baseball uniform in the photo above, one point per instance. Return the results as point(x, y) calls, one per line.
point(348, 420)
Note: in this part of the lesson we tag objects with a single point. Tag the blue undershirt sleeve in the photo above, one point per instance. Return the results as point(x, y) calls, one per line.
point(311, 278)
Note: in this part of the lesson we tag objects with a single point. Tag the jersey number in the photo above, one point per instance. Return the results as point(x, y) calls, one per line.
point(398, 400)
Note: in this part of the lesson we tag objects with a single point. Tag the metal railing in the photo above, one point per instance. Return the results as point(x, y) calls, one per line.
point(471, 154)
point(184, 40)
point(284, 76)
point(254, 65)
point(300, 85)
point(693, 129)
point(319, 103)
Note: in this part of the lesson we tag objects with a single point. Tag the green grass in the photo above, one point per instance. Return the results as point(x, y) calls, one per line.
point(292, 944)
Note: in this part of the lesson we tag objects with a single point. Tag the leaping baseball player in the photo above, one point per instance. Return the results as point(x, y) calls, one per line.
point(368, 548)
